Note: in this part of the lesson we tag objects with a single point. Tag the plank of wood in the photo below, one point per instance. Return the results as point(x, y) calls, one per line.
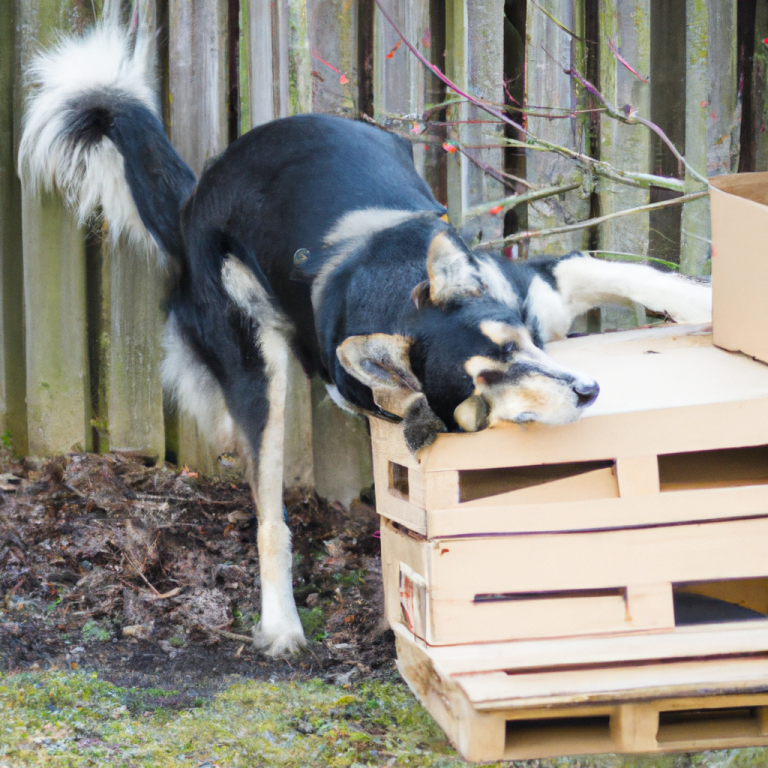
point(485, 71)
point(135, 405)
point(397, 549)
point(579, 712)
point(637, 475)
point(343, 463)
point(759, 90)
point(333, 38)
point(433, 490)
point(711, 117)
point(260, 73)
point(551, 52)
point(400, 80)
point(198, 94)
point(453, 621)
point(498, 690)
point(597, 513)
point(13, 408)
point(477, 736)
point(460, 570)
point(58, 395)
point(624, 30)
point(682, 643)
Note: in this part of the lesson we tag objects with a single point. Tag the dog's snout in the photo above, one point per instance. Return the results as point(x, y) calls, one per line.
point(586, 392)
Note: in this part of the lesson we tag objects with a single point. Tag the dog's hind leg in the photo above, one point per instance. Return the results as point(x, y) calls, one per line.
point(255, 391)
point(583, 282)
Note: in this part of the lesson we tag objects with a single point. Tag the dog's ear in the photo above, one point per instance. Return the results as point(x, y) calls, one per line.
point(452, 271)
point(381, 362)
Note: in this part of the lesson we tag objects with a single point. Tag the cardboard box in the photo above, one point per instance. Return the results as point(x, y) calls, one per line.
point(531, 571)
point(740, 262)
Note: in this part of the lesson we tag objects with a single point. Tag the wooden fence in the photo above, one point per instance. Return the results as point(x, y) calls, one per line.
point(80, 323)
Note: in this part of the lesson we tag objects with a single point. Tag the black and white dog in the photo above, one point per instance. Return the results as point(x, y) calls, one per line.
point(313, 234)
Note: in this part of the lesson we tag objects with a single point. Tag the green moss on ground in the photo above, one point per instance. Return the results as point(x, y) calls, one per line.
point(73, 719)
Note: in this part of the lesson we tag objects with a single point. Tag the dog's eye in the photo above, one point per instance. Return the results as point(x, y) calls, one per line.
point(509, 348)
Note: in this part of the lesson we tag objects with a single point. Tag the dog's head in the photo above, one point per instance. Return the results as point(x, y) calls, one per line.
point(470, 360)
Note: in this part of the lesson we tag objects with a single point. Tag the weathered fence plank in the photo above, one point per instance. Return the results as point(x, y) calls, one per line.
point(342, 449)
point(198, 93)
point(58, 396)
point(13, 416)
point(130, 343)
point(760, 88)
point(135, 396)
point(399, 79)
point(270, 97)
point(485, 65)
point(551, 52)
point(333, 29)
point(625, 29)
point(709, 116)
point(456, 69)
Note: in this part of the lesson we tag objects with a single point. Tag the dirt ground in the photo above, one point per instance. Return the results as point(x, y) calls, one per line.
point(139, 572)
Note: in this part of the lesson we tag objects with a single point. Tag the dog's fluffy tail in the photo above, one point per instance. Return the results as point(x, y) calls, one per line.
point(92, 129)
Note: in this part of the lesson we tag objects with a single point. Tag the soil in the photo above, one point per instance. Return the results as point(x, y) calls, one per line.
point(143, 573)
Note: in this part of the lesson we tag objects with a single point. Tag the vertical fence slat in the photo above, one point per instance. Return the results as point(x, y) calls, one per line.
point(13, 417)
point(58, 397)
point(130, 343)
point(709, 116)
point(399, 79)
point(759, 125)
point(333, 30)
point(485, 65)
point(263, 31)
point(342, 449)
point(260, 77)
point(198, 91)
point(551, 51)
point(456, 69)
point(625, 25)
point(135, 396)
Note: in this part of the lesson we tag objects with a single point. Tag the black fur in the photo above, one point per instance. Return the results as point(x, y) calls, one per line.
point(276, 190)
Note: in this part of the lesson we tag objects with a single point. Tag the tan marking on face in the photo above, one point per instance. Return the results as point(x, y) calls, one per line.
point(477, 364)
point(502, 333)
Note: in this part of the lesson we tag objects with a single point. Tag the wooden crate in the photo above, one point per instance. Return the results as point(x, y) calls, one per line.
point(533, 531)
point(691, 689)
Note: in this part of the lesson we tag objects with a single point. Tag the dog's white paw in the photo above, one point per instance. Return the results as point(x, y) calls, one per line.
point(278, 641)
point(693, 305)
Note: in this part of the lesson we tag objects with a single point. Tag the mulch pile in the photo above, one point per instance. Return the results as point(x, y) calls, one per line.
point(137, 572)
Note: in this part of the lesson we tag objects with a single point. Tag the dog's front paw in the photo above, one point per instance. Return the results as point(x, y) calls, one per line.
point(421, 425)
point(278, 642)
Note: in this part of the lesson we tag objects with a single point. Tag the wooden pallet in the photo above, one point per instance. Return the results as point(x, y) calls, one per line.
point(678, 434)
point(532, 573)
point(687, 690)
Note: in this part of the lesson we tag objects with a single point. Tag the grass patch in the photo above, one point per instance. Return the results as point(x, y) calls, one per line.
point(73, 719)
point(92, 630)
point(313, 621)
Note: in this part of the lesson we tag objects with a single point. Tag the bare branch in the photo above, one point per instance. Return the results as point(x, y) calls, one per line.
point(492, 244)
point(511, 202)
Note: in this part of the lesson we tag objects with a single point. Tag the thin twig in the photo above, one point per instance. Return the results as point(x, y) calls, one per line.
point(491, 244)
point(631, 118)
point(511, 202)
point(607, 169)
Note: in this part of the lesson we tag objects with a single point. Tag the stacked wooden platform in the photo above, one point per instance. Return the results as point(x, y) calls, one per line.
point(532, 573)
